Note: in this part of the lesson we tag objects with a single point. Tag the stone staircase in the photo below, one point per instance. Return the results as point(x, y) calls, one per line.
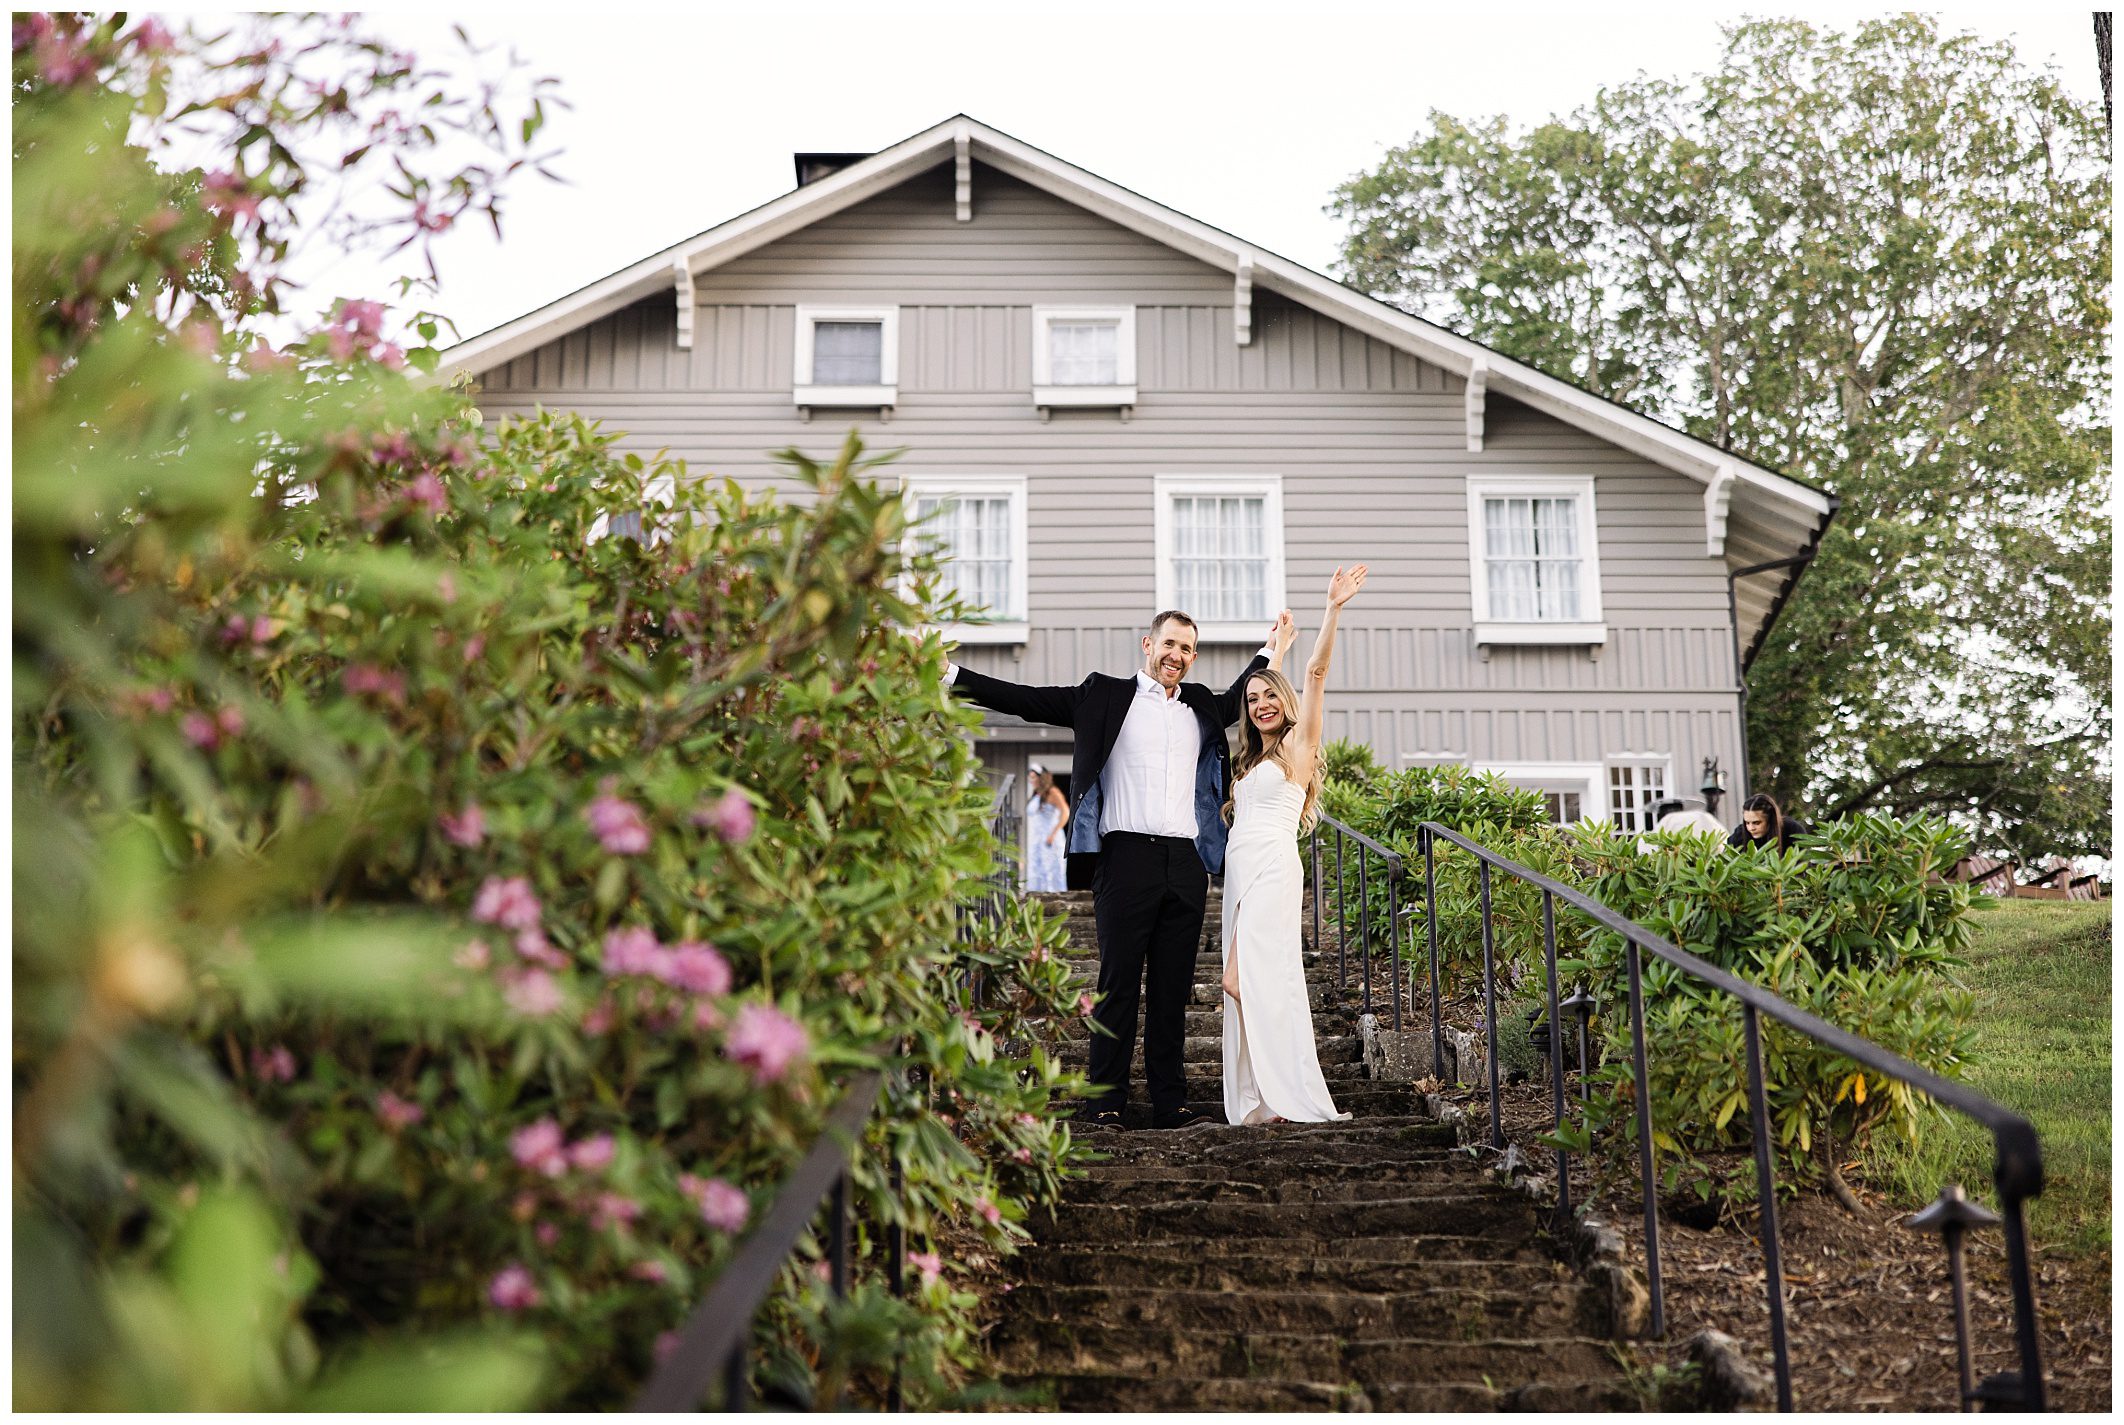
point(1366, 1265)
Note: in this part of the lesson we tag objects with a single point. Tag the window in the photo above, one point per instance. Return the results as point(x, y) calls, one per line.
point(1534, 560)
point(847, 356)
point(1636, 786)
point(1570, 790)
point(1084, 356)
point(629, 524)
point(976, 524)
point(1220, 552)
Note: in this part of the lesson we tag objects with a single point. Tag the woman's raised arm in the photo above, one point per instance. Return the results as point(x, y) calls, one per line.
point(1312, 713)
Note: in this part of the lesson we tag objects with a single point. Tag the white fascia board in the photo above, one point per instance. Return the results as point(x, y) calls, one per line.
point(794, 210)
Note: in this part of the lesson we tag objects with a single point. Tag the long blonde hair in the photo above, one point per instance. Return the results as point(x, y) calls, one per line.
point(1254, 749)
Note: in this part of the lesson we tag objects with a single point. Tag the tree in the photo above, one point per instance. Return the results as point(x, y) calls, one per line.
point(1877, 260)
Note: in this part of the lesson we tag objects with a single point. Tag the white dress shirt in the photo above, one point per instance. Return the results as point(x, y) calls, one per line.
point(1148, 784)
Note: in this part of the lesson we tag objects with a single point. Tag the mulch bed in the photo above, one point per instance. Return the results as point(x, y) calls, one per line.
point(1869, 1318)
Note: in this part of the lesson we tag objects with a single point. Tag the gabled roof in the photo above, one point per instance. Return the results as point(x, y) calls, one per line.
point(1780, 518)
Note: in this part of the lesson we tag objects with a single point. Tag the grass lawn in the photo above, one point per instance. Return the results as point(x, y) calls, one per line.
point(2040, 970)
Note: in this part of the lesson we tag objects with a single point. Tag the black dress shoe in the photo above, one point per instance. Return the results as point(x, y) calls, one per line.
point(1097, 1117)
point(1182, 1118)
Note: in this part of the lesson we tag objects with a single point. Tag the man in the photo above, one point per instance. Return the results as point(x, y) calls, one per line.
point(1146, 832)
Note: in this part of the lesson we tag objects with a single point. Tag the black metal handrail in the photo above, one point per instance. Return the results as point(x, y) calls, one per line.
point(714, 1339)
point(2017, 1162)
point(1390, 863)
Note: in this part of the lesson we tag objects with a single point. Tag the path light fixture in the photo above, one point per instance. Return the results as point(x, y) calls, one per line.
point(1951, 1215)
point(1580, 1007)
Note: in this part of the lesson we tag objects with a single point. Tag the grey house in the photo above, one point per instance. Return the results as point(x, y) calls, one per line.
point(1112, 408)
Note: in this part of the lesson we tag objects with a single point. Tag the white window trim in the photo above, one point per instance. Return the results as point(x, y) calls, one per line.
point(1270, 487)
point(656, 490)
point(1591, 626)
point(1122, 393)
point(1011, 630)
point(1661, 760)
point(1588, 779)
point(808, 394)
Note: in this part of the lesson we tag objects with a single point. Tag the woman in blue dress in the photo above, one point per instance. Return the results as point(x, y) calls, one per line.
point(1046, 818)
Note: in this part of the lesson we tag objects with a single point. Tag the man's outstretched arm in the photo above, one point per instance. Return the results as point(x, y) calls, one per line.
point(1054, 705)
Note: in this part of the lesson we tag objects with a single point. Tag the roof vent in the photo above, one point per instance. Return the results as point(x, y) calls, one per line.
point(811, 167)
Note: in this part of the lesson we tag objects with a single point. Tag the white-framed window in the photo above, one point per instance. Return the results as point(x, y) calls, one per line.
point(1084, 356)
point(1219, 541)
point(1534, 559)
point(847, 356)
point(1636, 786)
point(632, 524)
point(976, 523)
point(1572, 790)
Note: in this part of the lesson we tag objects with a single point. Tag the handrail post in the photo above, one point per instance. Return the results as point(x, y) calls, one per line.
point(1556, 1085)
point(1342, 917)
point(1430, 917)
point(1364, 921)
point(1489, 1005)
point(1319, 891)
point(896, 1265)
point(1394, 937)
point(735, 1379)
point(1766, 1188)
point(1643, 1103)
point(2033, 1389)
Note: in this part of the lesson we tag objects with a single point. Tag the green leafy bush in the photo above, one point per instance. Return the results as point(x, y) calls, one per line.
point(438, 931)
point(1855, 925)
point(1344, 760)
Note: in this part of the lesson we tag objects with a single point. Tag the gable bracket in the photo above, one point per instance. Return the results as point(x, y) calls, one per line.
point(683, 274)
point(962, 147)
point(1477, 399)
point(1243, 300)
point(1718, 500)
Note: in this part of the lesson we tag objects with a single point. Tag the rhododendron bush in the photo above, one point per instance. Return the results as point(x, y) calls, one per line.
point(439, 928)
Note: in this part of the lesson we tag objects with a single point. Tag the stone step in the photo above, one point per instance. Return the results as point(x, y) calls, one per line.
point(1225, 1148)
point(1131, 1353)
point(1460, 1212)
point(1107, 1393)
point(1324, 1253)
point(1261, 1179)
point(1365, 1101)
point(1444, 1262)
point(1209, 1049)
point(1551, 1309)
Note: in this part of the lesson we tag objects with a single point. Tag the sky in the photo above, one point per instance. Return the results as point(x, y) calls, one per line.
point(1245, 116)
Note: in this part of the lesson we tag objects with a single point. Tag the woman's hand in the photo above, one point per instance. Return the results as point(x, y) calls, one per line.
point(1344, 586)
point(1285, 633)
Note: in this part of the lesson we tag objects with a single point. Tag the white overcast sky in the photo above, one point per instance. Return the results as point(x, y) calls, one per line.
point(1244, 116)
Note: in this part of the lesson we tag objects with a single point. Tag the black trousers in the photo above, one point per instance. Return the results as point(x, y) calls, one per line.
point(1148, 896)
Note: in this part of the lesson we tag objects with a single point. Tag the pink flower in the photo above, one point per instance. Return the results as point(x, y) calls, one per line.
point(822, 1270)
point(929, 1264)
point(392, 357)
point(766, 1041)
point(261, 629)
point(706, 1017)
point(698, 969)
point(394, 449)
point(1022, 1155)
point(158, 700)
point(618, 825)
point(512, 1289)
point(989, 1211)
point(275, 1065)
point(426, 492)
point(592, 1155)
point(474, 955)
point(446, 587)
point(731, 818)
point(467, 828)
point(509, 903)
point(547, 1233)
point(200, 731)
point(599, 1020)
point(666, 1343)
point(532, 945)
point(631, 951)
point(649, 1272)
point(263, 360)
point(363, 318)
point(396, 1113)
point(362, 679)
point(152, 37)
point(229, 720)
point(235, 630)
point(611, 1209)
point(532, 992)
point(1084, 1006)
point(475, 646)
point(540, 1147)
point(724, 1207)
point(1026, 1120)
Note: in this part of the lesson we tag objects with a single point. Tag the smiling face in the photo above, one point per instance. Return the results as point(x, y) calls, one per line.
point(1169, 653)
point(1757, 822)
point(1265, 711)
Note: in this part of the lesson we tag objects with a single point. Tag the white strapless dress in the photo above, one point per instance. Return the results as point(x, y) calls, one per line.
point(1271, 1066)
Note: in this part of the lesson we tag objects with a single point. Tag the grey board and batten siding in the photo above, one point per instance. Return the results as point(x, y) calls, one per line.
point(1370, 442)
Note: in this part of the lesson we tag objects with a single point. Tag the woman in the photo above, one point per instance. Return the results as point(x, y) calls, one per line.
point(1271, 1066)
point(1046, 816)
point(1762, 824)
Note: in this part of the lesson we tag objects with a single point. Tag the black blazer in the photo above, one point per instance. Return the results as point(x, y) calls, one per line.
point(1095, 709)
